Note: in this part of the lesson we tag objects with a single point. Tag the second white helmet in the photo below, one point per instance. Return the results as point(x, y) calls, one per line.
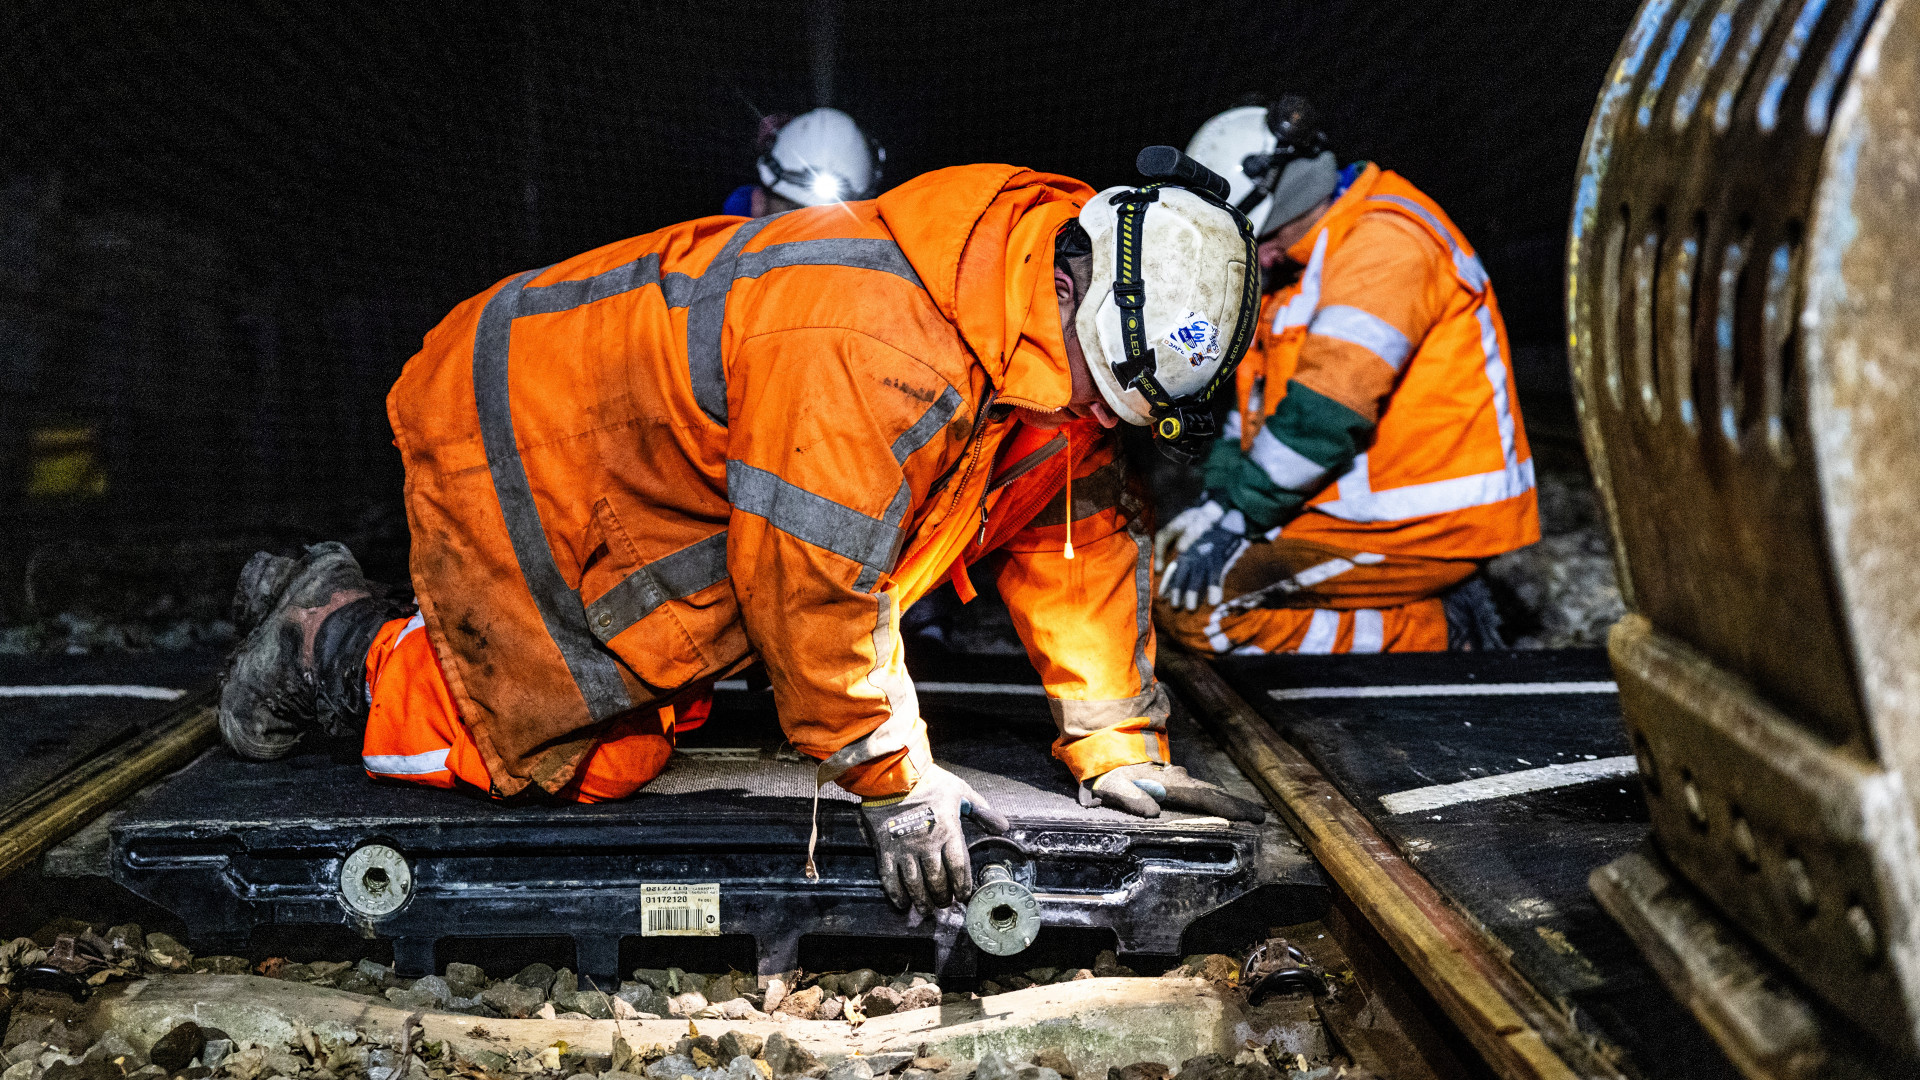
point(1291, 174)
point(822, 157)
point(1225, 142)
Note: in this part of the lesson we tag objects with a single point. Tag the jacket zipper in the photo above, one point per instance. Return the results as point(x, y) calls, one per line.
point(973, 458)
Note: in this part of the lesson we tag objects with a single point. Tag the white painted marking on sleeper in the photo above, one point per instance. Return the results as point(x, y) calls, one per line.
point(1307, 693)
point(1021, 689)
point(1481, 788)
point(151, 693)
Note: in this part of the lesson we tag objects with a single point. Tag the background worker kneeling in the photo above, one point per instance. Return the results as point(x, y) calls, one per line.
point(1377, 455)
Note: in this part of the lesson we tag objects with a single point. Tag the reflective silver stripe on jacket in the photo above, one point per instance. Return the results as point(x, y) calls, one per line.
point(815, 519)
point(1079, 719)
point(705, 295)
point(425, 764)
point(1358, 326)
point(595, 672)
point(707, 314)
point(1142, 601)
point(1289, 469)
point(673, 576)
point(578, 634)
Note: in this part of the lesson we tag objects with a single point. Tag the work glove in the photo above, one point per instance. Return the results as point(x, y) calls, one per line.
point(1202, 567)
point(917, 840)
point(1186, 527)
point(1143, 789)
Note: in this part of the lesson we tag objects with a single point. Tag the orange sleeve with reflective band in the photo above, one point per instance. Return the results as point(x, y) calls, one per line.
point(1086, 622)
point(1387, 268)
point(819, 501)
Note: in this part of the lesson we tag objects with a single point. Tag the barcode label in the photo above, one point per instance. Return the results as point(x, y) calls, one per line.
point(687, 910)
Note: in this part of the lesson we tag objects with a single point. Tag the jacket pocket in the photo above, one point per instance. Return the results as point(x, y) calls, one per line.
point(636, 611)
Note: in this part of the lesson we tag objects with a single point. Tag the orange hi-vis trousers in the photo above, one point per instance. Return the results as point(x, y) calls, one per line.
point(415, 734)
point(1293, 595)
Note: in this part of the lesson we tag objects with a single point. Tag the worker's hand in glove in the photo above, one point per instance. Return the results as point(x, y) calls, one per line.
point(1201, 569)
point(1179, 534)
point(1144, 788)
point(917, 839)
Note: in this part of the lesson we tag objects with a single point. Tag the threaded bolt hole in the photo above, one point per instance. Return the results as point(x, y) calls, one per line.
point(376, 880)
point(1003, 918)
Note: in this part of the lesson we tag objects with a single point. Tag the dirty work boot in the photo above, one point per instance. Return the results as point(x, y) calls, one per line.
point(262, 581)
point(304, 662)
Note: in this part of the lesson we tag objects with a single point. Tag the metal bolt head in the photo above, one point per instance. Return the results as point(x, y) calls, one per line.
point(1799, 884)
point(1003, 918)
point(1865, 937)
point(1743, 843)
point(606, 619)
point(375, 881)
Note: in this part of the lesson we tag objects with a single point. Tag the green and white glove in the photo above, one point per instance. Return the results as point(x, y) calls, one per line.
point(918, 842)
point(1176, 536)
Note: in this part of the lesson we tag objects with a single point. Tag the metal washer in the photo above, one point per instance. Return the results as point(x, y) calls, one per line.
point(375, 881)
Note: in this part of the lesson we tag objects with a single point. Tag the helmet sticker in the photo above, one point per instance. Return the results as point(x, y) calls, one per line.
point(1195, 338)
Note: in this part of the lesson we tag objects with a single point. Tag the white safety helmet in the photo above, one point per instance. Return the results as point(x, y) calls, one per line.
point(1274, 159)
point(1173, 299)
point(1224, 143)
point(822, 157)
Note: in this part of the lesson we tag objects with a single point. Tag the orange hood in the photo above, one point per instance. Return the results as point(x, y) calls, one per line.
point(981, 239)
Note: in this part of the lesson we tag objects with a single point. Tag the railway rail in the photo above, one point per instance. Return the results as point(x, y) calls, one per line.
point(1549, 991)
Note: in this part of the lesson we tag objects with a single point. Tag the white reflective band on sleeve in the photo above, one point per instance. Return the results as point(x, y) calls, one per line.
point(1321, 633)
point(413, 624)
point(1369, 631)
point(1365, 329)
point(1435, 497)
point(1497, 379)
point(1355, 481)
point(432, 761)
point(1319, 572)
point(1286, 467)
point(1299, 310)
point(1230, 430)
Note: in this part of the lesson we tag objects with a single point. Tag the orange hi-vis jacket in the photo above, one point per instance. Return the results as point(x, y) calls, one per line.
point(1447, 472)
point(644, 467)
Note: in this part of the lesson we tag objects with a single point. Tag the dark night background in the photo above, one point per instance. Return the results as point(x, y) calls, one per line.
point(224, 227)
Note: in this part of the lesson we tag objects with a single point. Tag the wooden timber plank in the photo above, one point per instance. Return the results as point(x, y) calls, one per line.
point(1099, 1023)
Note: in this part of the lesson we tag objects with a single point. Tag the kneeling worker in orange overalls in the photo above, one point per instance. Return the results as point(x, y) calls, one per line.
point(1377, 456)
point(642, 469)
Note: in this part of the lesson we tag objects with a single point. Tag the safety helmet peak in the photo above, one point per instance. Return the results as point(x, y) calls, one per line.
point(1173, 300)
point(822, 157)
